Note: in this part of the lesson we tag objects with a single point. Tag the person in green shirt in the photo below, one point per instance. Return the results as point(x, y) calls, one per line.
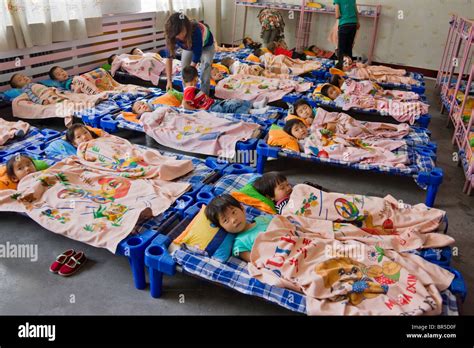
point(346, 13)
point(227, 213)
point(21, 165)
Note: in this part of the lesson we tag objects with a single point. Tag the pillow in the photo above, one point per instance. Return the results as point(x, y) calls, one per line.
point(168, 98)
point(12, 93)
point(278, 137)
point(6, 183)
point(253, 58)
point(201, 235)
point(250, 196)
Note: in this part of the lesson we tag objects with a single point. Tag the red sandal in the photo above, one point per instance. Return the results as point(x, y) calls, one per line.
point(61, 260)
point(73, 265)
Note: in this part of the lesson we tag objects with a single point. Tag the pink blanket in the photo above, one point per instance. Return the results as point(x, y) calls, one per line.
point(9, 129)
point(254, 88)
point(380, 73)
point(342, 147)
point(118, 156)
point(347, 127)
point(366, 87)
point(200, 132)
point(281, 64)
point(99, 80)
point(61, 103)
point(402, 111)
point(344, 269)
point(148, 66)
point(90, 205)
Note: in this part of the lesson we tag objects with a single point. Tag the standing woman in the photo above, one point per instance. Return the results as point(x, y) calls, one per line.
point(197, 42)
point(346, 13)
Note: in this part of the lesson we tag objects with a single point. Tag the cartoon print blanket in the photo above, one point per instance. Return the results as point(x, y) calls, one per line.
point(281, 64)
point(381, 74)
point(148, 66)
point(402, 111)
point(56, 103)
point(88, 205)
point(366, 87)
point(200, 132)
point(345, 267)
point(99, 80)
point(254, 88)
point(8, 130)
point(322, 142)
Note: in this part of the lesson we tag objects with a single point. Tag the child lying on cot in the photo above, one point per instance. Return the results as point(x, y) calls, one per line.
point(18, 167)
point(37, 93)
point(75, 135)
point(282, 64)
point(249, 43)
point(367, 87)
point(235, 67)
point(303, 111)
point(226, 212)
point(281, 48)
point(194, 99)
point(269, 193)
point(290, 137)
point(377, 73)
point(314, 51)
point(60, 78)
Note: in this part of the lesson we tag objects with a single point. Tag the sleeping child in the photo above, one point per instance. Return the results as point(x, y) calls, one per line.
point(303, 111)
point(18, 167)
point(249, 43)
point(290, 137)
point(236, 67)
point(195, 99)
point(281, 48)
point(314, 51)
point(282, 64)
point(60, 78)
point(227, 213)
point(75, 135)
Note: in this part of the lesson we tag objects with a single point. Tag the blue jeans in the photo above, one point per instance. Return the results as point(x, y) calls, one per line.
point(206, 63)
point(231, 106)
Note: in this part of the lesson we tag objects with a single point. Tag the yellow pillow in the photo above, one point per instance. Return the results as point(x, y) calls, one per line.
point(201, 235)
point(5, 182)
point(167, 99)
point(253, 58)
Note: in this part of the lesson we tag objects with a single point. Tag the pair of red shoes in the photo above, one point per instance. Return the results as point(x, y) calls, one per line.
point(68, 263)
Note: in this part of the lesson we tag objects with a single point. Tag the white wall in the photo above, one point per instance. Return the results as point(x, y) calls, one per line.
point(417, 40)
point(119, 6)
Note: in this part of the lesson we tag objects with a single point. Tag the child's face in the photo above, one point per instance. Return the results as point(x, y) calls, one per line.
point(21, 80)
point(304, 111)
point(233, 220)
point(22, 167)
point(282, 190)
point(299, 131)
point(137, 51)
point(60, 74)
point(333, 93)
point(81, 135)
point(346, 62)
point(141, 107)
point(216, 74)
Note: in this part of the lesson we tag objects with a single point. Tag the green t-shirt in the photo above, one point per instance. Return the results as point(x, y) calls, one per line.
point(244, 241)
point(348, 11)
point(40, 165)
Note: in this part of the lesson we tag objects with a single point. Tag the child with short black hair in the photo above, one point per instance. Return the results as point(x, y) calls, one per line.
point(26, 85)
point(296, 128)
point(111, 58)
point(226, 212)
point(20, 165)
point(78, 134)
point(195, 99)
point(303, 110)
point(249, 43)
point(60, 77)
point(330, 91)
point(136, 51)
point(275, 186)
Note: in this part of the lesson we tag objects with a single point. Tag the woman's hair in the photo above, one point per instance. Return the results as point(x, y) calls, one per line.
point(72, 129)
point(218, 206)
point(267, 183)
point(10, 170)
point(300, 102)
point(290, 124)
point(51, 72)
point(173, 26)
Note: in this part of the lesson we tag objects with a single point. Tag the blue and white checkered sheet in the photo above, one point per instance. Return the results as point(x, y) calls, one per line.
point(31, 138)
point(462, 86)
point(419, 162)
point(234, 274)
point(240, 54)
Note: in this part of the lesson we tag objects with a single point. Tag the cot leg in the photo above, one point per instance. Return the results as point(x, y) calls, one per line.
point(156, 283)
point(261, 160)
point(137, 264)
point(431, 194)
